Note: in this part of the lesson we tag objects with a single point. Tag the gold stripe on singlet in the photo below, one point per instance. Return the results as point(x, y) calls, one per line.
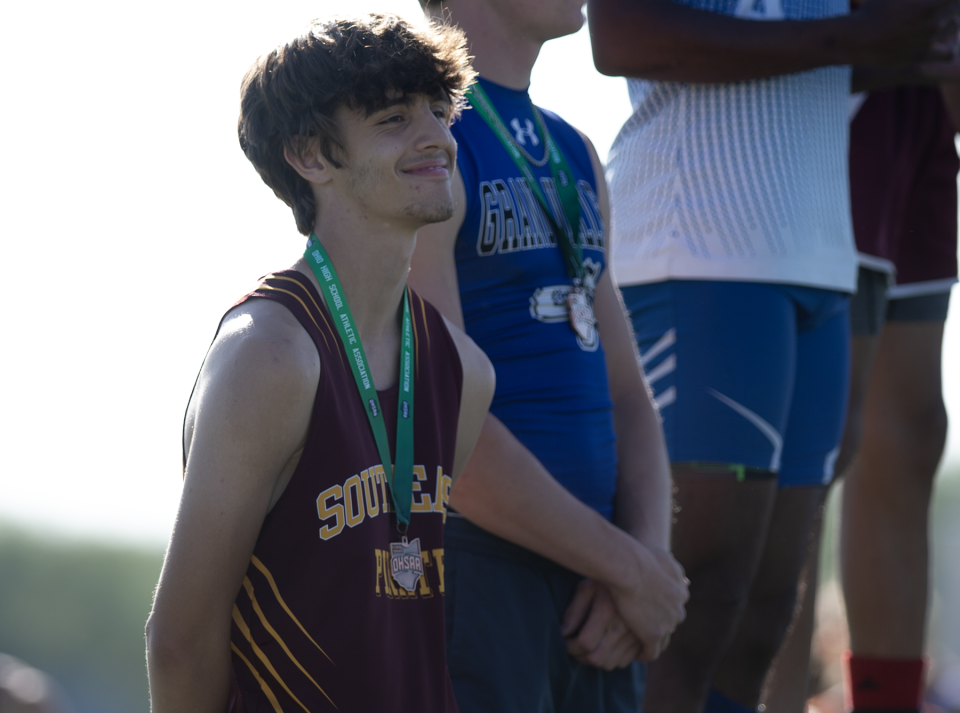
point(256, 674)
point(245, 630)
point(248, 586)
point(426, 329)
point(310, 295)
point(416, 338)
point(276, 592)
point(309, 314)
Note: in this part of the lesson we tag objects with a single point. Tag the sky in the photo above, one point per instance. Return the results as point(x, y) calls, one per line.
point(131, 221)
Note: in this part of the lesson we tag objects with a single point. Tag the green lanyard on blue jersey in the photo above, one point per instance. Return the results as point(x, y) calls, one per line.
point(400, 478)
point(563, 180)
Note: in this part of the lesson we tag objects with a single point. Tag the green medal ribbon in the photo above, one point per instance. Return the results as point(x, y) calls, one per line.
point(400, 478)
point(562, 178)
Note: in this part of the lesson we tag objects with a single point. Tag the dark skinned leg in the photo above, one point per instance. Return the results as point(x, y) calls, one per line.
point(718, 537)
point(773, 596)
point(794, 655)
point(887, 494)
point(786, 685)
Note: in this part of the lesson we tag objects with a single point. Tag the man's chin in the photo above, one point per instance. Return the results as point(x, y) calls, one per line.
point(427, 214)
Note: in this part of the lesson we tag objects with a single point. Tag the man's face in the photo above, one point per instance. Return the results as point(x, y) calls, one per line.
point(399, 160)
point(542, 20)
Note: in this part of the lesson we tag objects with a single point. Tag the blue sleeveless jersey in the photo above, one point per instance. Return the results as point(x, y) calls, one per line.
point(552, 390)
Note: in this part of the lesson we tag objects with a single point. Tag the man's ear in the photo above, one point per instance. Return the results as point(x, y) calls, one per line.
point(306, 159)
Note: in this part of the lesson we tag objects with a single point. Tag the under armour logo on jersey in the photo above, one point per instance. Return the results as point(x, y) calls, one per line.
point(528, 130)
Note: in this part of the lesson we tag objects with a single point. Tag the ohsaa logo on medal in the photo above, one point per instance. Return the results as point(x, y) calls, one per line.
point(405, 409)
point(406, 563)
point(373, 407)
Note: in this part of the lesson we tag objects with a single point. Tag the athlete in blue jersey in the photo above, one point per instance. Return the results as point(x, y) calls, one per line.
point(736, 259)
point(513, 290)
point(539, 615)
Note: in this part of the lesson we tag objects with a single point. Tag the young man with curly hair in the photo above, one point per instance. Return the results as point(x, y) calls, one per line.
point(335, 407)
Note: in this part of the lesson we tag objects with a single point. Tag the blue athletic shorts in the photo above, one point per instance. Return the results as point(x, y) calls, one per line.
point(747, 374)
point(505, 651)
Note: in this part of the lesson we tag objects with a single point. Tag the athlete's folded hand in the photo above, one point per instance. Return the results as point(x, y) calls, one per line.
point(653, 606)
point(596, 634)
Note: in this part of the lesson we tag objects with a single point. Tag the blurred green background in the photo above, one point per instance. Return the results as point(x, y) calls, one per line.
point(76, 610)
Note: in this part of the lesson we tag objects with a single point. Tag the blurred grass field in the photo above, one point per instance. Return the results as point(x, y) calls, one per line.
point(76, 609)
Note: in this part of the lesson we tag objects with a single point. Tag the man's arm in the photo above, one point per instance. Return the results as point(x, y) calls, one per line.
point(664, 40)
point(479, 381)
point(643, 502)
point(246, 426)
point(505, 490)
point(644, 491)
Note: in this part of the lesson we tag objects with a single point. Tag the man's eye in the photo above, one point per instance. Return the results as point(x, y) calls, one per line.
point(392, 119)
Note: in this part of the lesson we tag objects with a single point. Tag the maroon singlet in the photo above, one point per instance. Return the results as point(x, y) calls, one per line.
point(903, 183)
point(319, 624)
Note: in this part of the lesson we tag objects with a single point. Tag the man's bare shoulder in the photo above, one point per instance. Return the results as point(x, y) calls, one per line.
point(262, 361)
point(263, 341)
point(477, 368)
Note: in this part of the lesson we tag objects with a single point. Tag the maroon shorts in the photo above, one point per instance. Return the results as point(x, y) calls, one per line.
point(903, 185)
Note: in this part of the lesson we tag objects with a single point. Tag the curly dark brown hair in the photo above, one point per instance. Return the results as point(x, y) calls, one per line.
point(290, 96)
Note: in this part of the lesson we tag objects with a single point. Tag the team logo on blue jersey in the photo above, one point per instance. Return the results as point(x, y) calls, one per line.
point(525, 131)
point(512, 220)
point(551, 304)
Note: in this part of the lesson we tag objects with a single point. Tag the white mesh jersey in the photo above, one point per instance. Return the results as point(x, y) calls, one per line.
point(740, 181)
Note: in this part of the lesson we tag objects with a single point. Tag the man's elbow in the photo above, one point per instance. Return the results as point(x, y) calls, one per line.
point(169, 646)
point(635, 39)
point(610, 55)
point(616, 36)
point(613, 59)
point(186, 665)
point(162, 647)
point(608, 63)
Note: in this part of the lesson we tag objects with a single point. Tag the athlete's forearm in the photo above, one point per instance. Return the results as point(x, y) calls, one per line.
point(643, 502)
point(664, 40)
point(505, 490)
point(643, 505)
point(187, 673)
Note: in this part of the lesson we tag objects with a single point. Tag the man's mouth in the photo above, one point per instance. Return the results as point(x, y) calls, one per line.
point(430, 168)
